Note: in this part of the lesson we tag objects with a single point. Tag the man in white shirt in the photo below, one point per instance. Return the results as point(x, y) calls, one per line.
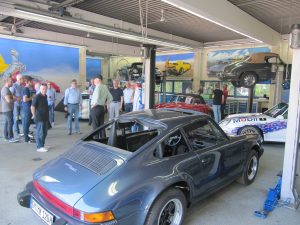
point(128, 93)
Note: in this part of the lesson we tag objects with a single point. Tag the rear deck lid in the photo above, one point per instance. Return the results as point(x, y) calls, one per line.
point(77, 171)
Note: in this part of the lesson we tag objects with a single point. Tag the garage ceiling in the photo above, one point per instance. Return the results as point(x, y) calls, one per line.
point(278, 14)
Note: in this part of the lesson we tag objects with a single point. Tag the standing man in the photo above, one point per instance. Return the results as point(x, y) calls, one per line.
point(91, 91)
point(100, 97)
point(128, 97)
point(7, 101)
point(16, 90)
point(40, 113)
point(218, 99)
point(72, 102)
point(51, 97)
point(116, 105)
point(26, 107)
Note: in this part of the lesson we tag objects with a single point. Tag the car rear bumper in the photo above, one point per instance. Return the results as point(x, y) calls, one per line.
point(24, 199)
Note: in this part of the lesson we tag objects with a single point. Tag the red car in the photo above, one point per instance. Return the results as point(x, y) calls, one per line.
point(39, 80)
point(190, 102)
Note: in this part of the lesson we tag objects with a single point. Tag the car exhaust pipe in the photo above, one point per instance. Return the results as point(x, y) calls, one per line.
point(24, 199)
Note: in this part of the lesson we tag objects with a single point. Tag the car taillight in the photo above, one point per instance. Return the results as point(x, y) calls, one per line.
point(53, 200)
point(83, 216)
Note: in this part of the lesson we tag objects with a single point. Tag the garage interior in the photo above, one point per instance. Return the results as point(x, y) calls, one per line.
point(112, 32)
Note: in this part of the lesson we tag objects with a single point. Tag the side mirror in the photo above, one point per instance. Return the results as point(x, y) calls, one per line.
point(280, 117)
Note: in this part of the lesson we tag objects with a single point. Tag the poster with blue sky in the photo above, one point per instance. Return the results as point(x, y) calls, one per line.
point(45, 62)
point(93, 67)
point(217, 60)
point(178, 66)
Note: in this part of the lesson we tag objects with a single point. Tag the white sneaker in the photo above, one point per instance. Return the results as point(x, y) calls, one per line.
point(52, 125)
point(42, 149)
point(13, 140)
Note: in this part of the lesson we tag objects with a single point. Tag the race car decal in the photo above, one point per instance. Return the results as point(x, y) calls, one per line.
point(250, 119)
point(266, 128)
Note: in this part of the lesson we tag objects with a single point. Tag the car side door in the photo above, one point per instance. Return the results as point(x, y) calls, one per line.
point(220, 159)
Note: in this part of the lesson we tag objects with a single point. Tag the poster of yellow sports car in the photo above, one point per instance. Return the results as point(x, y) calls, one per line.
point(177, 66)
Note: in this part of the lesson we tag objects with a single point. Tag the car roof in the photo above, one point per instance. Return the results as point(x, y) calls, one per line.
point(162, 118)
point(260, 57)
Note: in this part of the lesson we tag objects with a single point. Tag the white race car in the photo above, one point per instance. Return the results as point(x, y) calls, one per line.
point(270, 125)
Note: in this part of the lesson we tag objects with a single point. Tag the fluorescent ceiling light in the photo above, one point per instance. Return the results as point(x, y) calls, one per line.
point(51, 19)
point(210, 20)
point(40, 41)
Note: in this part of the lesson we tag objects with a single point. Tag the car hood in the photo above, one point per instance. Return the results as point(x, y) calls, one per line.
point(243, 115)
point(231, 66)
point(76, 172)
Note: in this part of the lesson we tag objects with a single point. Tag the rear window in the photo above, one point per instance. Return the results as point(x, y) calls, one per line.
point(128, 136)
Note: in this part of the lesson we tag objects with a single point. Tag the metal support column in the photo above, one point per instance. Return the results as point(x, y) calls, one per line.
point(288, 188)
point(149, 65)
point(164, 86)
point(279, 79)
point(250, 100)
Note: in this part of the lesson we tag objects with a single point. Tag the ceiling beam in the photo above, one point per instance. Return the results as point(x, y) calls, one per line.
point(66, 3)
point(227, 15)
point(8, 8)
point(57, 39)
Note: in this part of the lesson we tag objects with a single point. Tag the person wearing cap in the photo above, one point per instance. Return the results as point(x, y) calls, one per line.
point(72, 102)
point(116, 104)
point(16, 90)
point(100, 97)
point(51, 97)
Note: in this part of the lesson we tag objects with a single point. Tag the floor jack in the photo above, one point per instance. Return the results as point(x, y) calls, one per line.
point(272, 199)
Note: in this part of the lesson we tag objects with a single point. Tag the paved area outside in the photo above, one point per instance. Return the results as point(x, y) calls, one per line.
point(233, 205)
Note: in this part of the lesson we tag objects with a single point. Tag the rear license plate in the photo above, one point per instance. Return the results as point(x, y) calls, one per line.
point(41, 212)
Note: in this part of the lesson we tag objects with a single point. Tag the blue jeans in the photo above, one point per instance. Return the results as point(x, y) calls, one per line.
point(51, 113)
point(128, 107)
point(217, 112)
point(41, 133)
point(17, 114)
point(8, 125)
point(73, 109)
point(26, 119)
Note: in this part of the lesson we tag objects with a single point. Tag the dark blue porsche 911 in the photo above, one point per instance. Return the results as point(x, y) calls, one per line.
point(142, 168)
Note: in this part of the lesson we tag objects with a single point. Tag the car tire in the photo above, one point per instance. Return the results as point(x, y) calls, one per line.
point(169, 206)
point(251, 130)
point(236, 84)
point(250, 169)
point(248, 79)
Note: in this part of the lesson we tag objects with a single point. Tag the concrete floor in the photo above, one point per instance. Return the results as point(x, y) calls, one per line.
point(233, 205)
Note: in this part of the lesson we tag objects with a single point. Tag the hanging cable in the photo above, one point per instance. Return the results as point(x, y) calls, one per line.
point(141, 18)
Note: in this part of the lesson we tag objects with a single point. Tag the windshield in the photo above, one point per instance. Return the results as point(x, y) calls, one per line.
point(277, 110)
point(247, 58)
point(177, 98)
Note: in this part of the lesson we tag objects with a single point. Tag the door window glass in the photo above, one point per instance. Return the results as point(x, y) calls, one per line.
point(203, 134)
